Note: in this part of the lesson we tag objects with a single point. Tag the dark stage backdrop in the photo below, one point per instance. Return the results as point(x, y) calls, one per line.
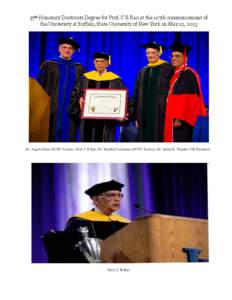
point(58, 192)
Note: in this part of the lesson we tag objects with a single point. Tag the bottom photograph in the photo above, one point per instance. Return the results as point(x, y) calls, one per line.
point(119, 212)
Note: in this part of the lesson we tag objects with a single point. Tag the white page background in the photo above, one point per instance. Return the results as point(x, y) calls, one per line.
point(20, 278)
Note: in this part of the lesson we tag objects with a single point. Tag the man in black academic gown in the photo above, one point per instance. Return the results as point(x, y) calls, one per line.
point(58, 76)
point(95, 130)
point(150, 95)
point(100, 222)
point(185, 101)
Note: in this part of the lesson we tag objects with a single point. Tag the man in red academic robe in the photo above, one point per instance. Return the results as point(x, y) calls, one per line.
point(185, 102)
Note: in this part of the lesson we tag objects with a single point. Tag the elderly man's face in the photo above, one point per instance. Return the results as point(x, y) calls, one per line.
point(108, 202)
point(152, 55)
point(66, 51)
point(177, 59)
point(100, 64)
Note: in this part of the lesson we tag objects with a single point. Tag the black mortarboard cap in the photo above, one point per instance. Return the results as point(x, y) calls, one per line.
point(153, 45)
point(102, 187)
point(179, 47)
point(101, 55)
point(69, 41)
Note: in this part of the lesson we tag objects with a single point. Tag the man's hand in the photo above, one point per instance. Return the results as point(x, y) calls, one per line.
point(177, 123)
point(124, 119)
point(81, 102)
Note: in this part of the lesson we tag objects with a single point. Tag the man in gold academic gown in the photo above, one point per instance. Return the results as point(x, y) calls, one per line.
point(96, 224)
point(101, 220)
point(95, 130)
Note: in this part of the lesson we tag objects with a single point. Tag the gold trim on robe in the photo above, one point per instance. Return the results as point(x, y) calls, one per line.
point(157, 63)
point(94, 75)
point(97, 216)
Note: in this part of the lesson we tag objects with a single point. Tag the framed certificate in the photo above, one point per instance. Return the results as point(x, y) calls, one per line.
point(105, 104)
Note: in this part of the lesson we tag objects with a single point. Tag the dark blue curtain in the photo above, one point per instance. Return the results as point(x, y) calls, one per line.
point(127, 56)
point(176, 189)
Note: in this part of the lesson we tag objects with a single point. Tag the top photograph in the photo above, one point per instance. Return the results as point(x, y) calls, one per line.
point(116, 87)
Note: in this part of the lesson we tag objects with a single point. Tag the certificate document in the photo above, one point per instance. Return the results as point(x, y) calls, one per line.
point(105, 104)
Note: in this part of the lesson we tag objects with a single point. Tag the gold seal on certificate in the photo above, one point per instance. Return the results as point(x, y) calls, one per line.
point(105, 104)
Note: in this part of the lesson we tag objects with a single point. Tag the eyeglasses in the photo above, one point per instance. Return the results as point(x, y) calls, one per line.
point(100, 61)
point(67, 48)
point(176, 56)
point(112, 195)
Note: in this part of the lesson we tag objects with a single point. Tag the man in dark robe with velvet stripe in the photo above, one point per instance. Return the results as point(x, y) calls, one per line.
point(95, 130)
point(101, 220)
point(58, 76)
point(150, 95)
point(185, 102)
point(100, 223)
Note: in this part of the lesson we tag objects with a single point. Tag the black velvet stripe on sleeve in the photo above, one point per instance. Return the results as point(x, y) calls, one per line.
point(92, 84)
